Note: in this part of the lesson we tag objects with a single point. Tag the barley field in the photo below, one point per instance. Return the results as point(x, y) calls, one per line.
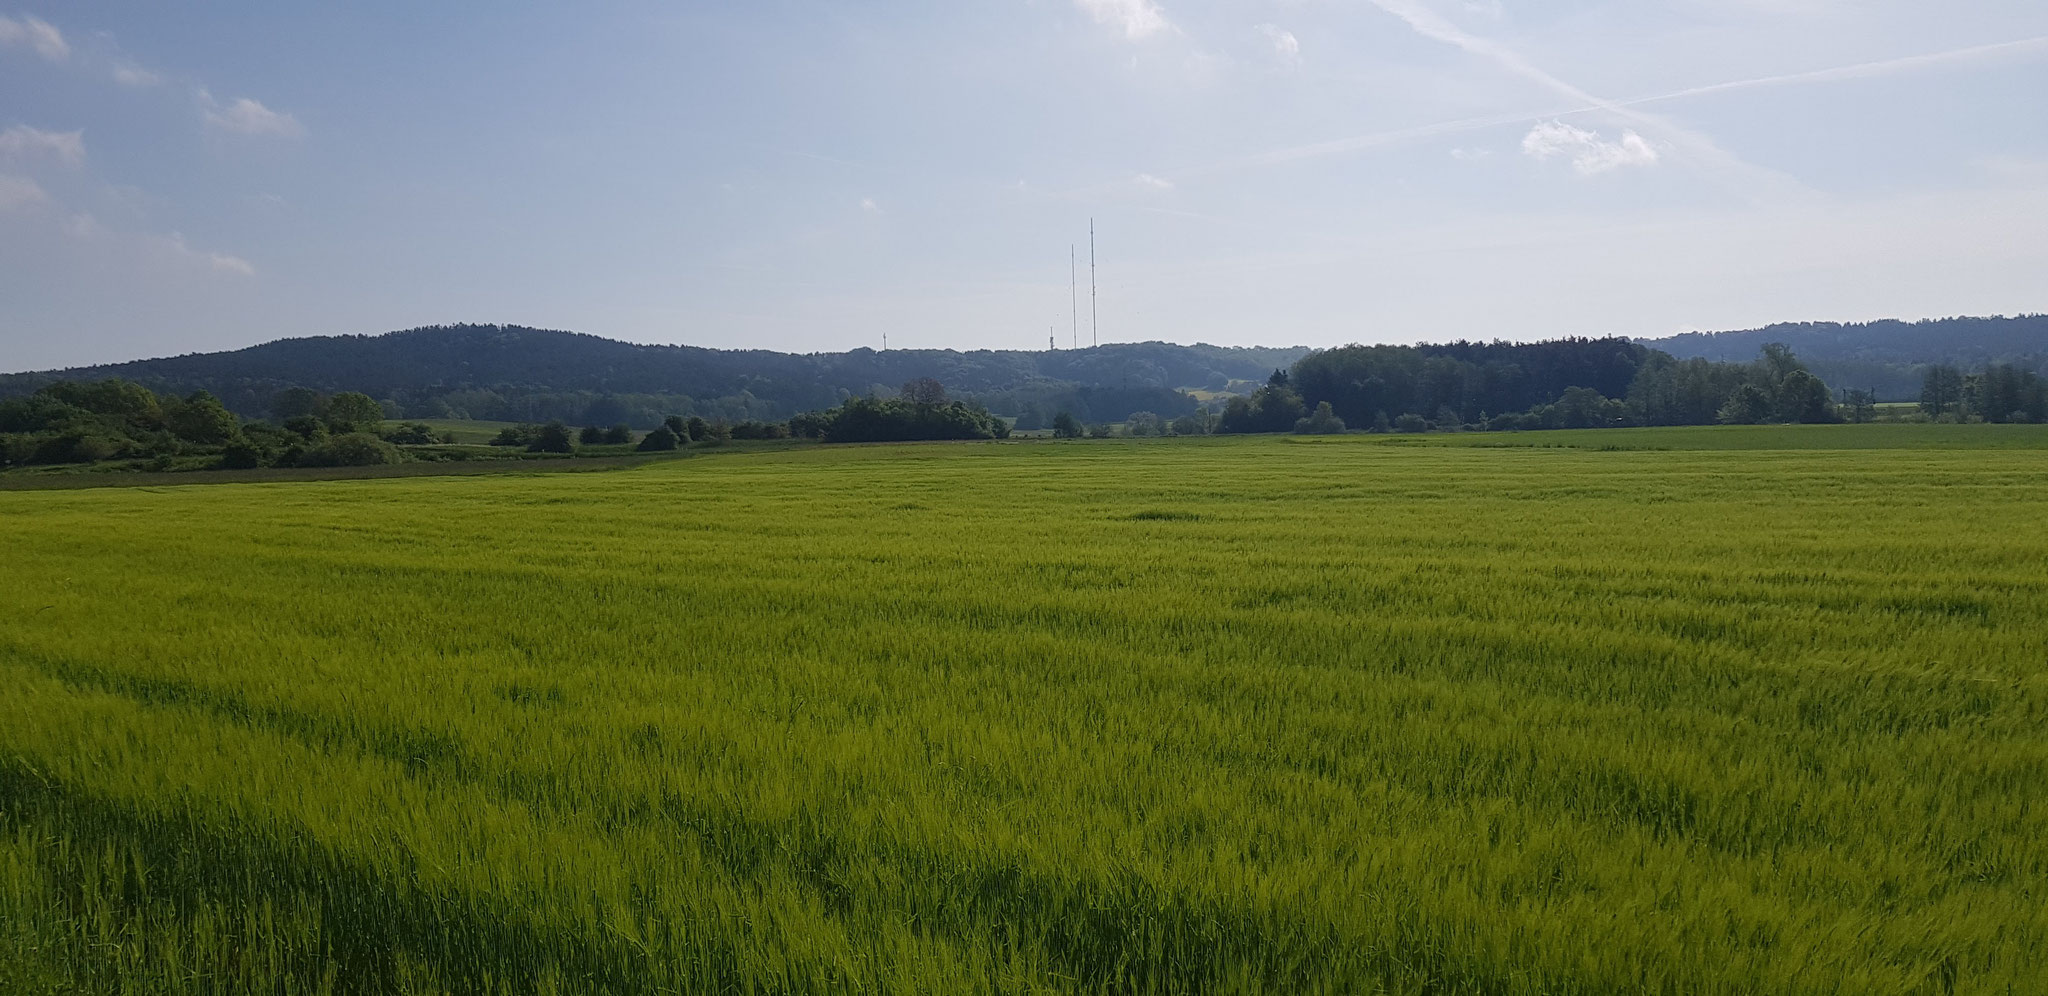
point(1743, 710)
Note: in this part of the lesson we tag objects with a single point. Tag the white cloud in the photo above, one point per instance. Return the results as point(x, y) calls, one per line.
point(1700, 150)
point(171, 248)
point(130, 74)
point(249, 117)
point(19, 192)
point(1588, 152)
point(868, 204)
point(224, 263)
point(37, 34)
point(1136, 18)
point(1285, 45)
point(1150, 182)
point(23, 142)
point(1470, 155)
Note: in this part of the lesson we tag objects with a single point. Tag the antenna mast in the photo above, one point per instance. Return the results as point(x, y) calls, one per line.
point(1074, 294)
point(1094, 337)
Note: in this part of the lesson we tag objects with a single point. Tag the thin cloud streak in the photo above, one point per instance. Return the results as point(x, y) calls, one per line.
point(1401, 136)
point(1864, 70)
point(1746, 177)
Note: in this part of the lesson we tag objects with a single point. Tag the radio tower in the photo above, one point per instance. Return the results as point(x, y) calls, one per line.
point(1074, 294)
point(1094, 337)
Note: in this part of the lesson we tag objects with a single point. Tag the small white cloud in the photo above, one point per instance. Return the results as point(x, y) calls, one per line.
point(1470, 155)
point(1589, 153)
point(1136, 18)
point(130, 74)
point(868, 204)
point(224, 263)
point(1150, 182)
point(24, 142)
point(19, 192)
point(84, 227)
point(1285, 46)
point(37, 34)
point(249, 117)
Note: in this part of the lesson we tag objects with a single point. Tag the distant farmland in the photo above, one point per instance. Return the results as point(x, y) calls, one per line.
point(1672, 711)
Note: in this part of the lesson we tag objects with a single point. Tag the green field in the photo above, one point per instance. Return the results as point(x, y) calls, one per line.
point(1713, 711)
point(464, 430)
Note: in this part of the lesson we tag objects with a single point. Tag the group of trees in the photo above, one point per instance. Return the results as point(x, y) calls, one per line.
point(1572, 383)
point(921, 411)
point(2004, 392)
point(114, 419)
point(1459, 382)
point(1887, 358)
point(1564, 384)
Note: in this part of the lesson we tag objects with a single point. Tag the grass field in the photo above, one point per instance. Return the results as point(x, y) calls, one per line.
point(1703, 715)
point(464, 430)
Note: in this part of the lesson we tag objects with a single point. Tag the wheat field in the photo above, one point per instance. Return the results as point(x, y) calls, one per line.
point(1712, 711)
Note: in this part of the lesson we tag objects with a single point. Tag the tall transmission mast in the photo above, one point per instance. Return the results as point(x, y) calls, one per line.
point(1094, 337)
point(1074, 293)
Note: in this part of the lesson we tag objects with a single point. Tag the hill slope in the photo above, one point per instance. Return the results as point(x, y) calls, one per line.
point(457, 364)
point(1885, 355)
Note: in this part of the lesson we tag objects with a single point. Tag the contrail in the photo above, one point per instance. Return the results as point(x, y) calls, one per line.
point(1700, 149)
point(1861, 70)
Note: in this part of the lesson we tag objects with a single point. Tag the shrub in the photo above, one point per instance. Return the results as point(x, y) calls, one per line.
point(619, 432)
point(590, 436)
point(663, 438)
point(1410, 422)
point(202, 419)
point(353, 411)
point(354, 449)
point(516, 435)
point(411, 434)
point(241, 455)
point(78, 447)
point(1322, 422)
point(760, 430)
point(552, 438)
point(308, 427)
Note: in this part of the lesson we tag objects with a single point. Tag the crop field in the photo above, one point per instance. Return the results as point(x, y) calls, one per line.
point(1743, 710)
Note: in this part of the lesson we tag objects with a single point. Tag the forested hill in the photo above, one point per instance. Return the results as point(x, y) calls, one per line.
point(1886, 355)
point(493, 371)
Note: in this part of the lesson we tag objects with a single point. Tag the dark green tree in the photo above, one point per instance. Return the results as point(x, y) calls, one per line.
point(924, 391)
point(295, 402)
point(1749, 405)
point(1066, 426)
point(201, 418)
point(552, 438)
point(1803, 398)
point(354, 411)
point(1941, 391)
point(663, 438)
point(1322, 422)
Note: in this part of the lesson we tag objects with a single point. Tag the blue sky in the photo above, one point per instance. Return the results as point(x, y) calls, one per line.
point(807, 176)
